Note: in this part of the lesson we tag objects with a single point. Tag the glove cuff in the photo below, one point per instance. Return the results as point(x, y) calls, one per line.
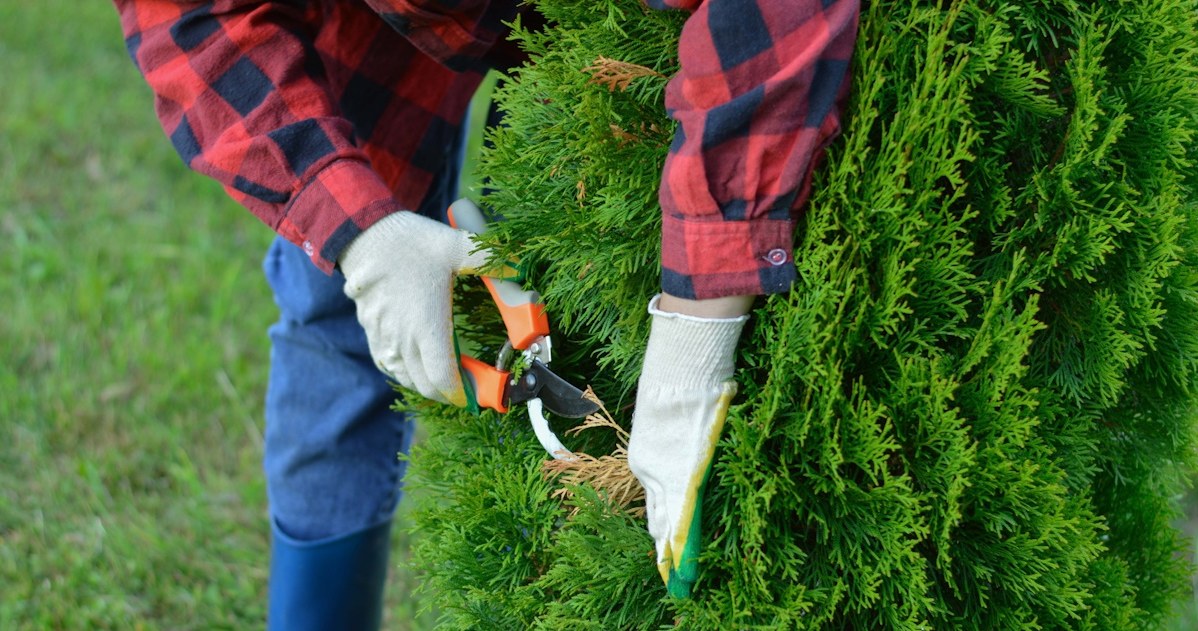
point(687, 352)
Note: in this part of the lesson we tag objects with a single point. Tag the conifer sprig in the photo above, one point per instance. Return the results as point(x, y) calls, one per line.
point(618, 75)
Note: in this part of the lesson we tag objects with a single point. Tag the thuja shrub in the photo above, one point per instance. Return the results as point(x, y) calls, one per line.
point(973, 410)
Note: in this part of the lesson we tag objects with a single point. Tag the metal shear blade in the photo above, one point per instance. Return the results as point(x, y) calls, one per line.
point(558, 395)
point(541, 389)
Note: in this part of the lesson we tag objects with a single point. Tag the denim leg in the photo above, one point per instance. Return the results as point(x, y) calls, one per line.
point(332, 443)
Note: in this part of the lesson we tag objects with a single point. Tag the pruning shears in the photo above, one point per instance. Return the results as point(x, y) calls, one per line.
point(497, 387)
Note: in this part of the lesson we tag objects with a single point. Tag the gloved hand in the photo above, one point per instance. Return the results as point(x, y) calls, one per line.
point(682, 398)
point(400, 273)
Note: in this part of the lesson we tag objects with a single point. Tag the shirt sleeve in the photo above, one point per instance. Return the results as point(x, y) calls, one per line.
point(757, 99)
point(462, 34)
point(243, 98)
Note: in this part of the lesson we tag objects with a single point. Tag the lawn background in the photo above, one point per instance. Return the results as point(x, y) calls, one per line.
point(133, 355)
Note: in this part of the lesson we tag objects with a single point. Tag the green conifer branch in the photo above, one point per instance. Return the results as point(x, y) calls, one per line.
point(975, 409)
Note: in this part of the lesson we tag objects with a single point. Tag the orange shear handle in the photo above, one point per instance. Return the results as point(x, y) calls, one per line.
point(487, 383)
point(523, 316)
point(522, 311)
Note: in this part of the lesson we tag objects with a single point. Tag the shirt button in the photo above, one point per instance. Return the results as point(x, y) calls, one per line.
point(308, 249)
point(776, 257)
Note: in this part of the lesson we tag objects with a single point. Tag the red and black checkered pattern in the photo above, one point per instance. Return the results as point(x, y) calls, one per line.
point(758, 98)
point(323, 116)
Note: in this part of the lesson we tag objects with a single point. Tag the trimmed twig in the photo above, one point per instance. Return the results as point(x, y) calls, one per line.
point(609, 474)
point(617, 75)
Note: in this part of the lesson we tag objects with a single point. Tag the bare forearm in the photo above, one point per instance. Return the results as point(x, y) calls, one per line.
point(727, 307)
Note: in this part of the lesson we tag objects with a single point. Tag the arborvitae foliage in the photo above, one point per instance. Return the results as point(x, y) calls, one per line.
point(974, 410)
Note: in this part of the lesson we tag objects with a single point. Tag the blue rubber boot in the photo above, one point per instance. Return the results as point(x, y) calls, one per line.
point(328, 585)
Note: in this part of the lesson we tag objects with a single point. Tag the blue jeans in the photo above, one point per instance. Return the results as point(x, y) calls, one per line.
point(333, 445)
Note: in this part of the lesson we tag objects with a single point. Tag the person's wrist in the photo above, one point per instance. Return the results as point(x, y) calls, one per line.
point(710, 308)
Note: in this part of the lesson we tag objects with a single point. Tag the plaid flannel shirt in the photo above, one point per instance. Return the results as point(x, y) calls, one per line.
point(324, 116)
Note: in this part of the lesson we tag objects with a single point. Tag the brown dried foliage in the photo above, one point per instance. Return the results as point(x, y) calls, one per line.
point(617, 75)
point(608, 474)
point(624, 137)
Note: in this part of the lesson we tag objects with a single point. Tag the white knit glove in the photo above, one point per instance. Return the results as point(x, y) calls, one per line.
point(682, 398)
point(400, 273)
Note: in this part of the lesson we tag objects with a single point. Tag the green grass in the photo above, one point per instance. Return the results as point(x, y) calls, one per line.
point(132, 355)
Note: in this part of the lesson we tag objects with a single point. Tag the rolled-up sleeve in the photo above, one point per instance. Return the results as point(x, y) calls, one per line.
point(758, 97)
point(242, 95)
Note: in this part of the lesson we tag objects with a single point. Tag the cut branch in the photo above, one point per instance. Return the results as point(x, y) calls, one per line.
point(617, 75)
point(608, 474)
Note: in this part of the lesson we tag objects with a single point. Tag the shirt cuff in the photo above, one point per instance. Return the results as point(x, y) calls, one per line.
point(713, 259)
point(333, 208)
